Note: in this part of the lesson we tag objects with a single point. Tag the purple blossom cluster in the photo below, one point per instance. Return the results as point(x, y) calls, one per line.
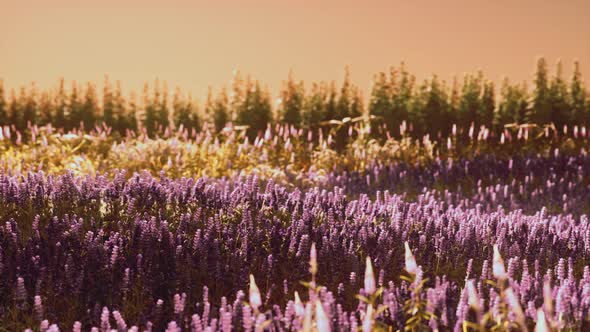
point(154, 253)
point(557, 182)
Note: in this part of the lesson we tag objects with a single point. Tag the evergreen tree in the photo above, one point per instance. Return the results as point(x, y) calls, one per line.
point(313, 108)
point(108, 104)
point(195, 120)
point(488, 106)
point(541, 109)
point(344, 109)
point(89, 108)
point(470, 101)
point(558, 99)
point(123, 117)
point(380, 103)
point(73, 115)
point(578, 97)
point(133, 113)
point(60, 106)
point(30, 107)
point(356, 107)
point(150, 119)
point(185, 112)
point(147, 116)
point(416, 116)
point(454, 102)
point(292, 98)
point(163, 111)
point(513, 106)
point(237, 96)
point(256, 111)
point(330, 110)
point(46, 109)
point(208, 109)
point(435, 108)
point(3, 105)
point(221, 110)
point(15, 113)
point(402, 100)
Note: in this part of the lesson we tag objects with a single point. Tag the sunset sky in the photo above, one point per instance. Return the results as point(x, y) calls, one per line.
point(194, 44)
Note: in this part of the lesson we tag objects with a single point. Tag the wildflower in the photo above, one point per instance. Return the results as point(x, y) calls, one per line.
point(370, 287)
point(541, 322)
point(368, 320)
point(299, 309)
point(411, 266)
point(323, 324)
point(498, 268)
point(255, 298)
point(313, 263)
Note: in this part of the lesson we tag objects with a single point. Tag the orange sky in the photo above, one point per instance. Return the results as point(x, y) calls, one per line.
point(198, 43)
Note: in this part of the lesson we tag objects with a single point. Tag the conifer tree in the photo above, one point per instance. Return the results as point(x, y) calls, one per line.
point(541, 108)
point(108, 104)
point(578, 97)
point(195, 120)
point(60, 106)
point(74, 108)
point(488, 105)
point(558, 99)
point(150, 108)
point(46, 109)
point(88, 108)
point(237, 96)
point(221, 110)
point(402, 100)
point(313, 108)
point(133, 113)
point(470, 100)
point(513, 105)
point(163, 114)
point(256, 111)
point(30, 107)
point(208, 109)
point(380, 103)
point(3, 105)
point(292, 98)
point(435, 108)
point(185, 112)
point(330, 110)
point(15, 113)
point(416, 116)
point(454, 100)
point(123, 117)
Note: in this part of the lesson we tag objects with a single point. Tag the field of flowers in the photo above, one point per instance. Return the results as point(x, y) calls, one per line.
point(207, 232)
point(432, 208)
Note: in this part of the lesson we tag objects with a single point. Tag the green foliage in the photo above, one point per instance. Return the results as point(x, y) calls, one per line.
point(432, 107)
point(3, 105)
point(541, 99)
point(255, 111)
point(314, 108)
point(470, 103)
point(220, 111)
point(292, 100)
point(513, 106)
point(558, 99)
point(488, 105)
point(185, 113)
point(579, 113)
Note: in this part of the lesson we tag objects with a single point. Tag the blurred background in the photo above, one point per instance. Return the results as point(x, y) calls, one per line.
point(195, 44)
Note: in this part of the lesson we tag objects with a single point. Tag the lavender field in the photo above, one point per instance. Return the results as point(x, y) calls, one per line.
point(431, 208)
point(483, 239)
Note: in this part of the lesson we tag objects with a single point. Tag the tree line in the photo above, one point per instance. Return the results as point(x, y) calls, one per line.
point(430, 107)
